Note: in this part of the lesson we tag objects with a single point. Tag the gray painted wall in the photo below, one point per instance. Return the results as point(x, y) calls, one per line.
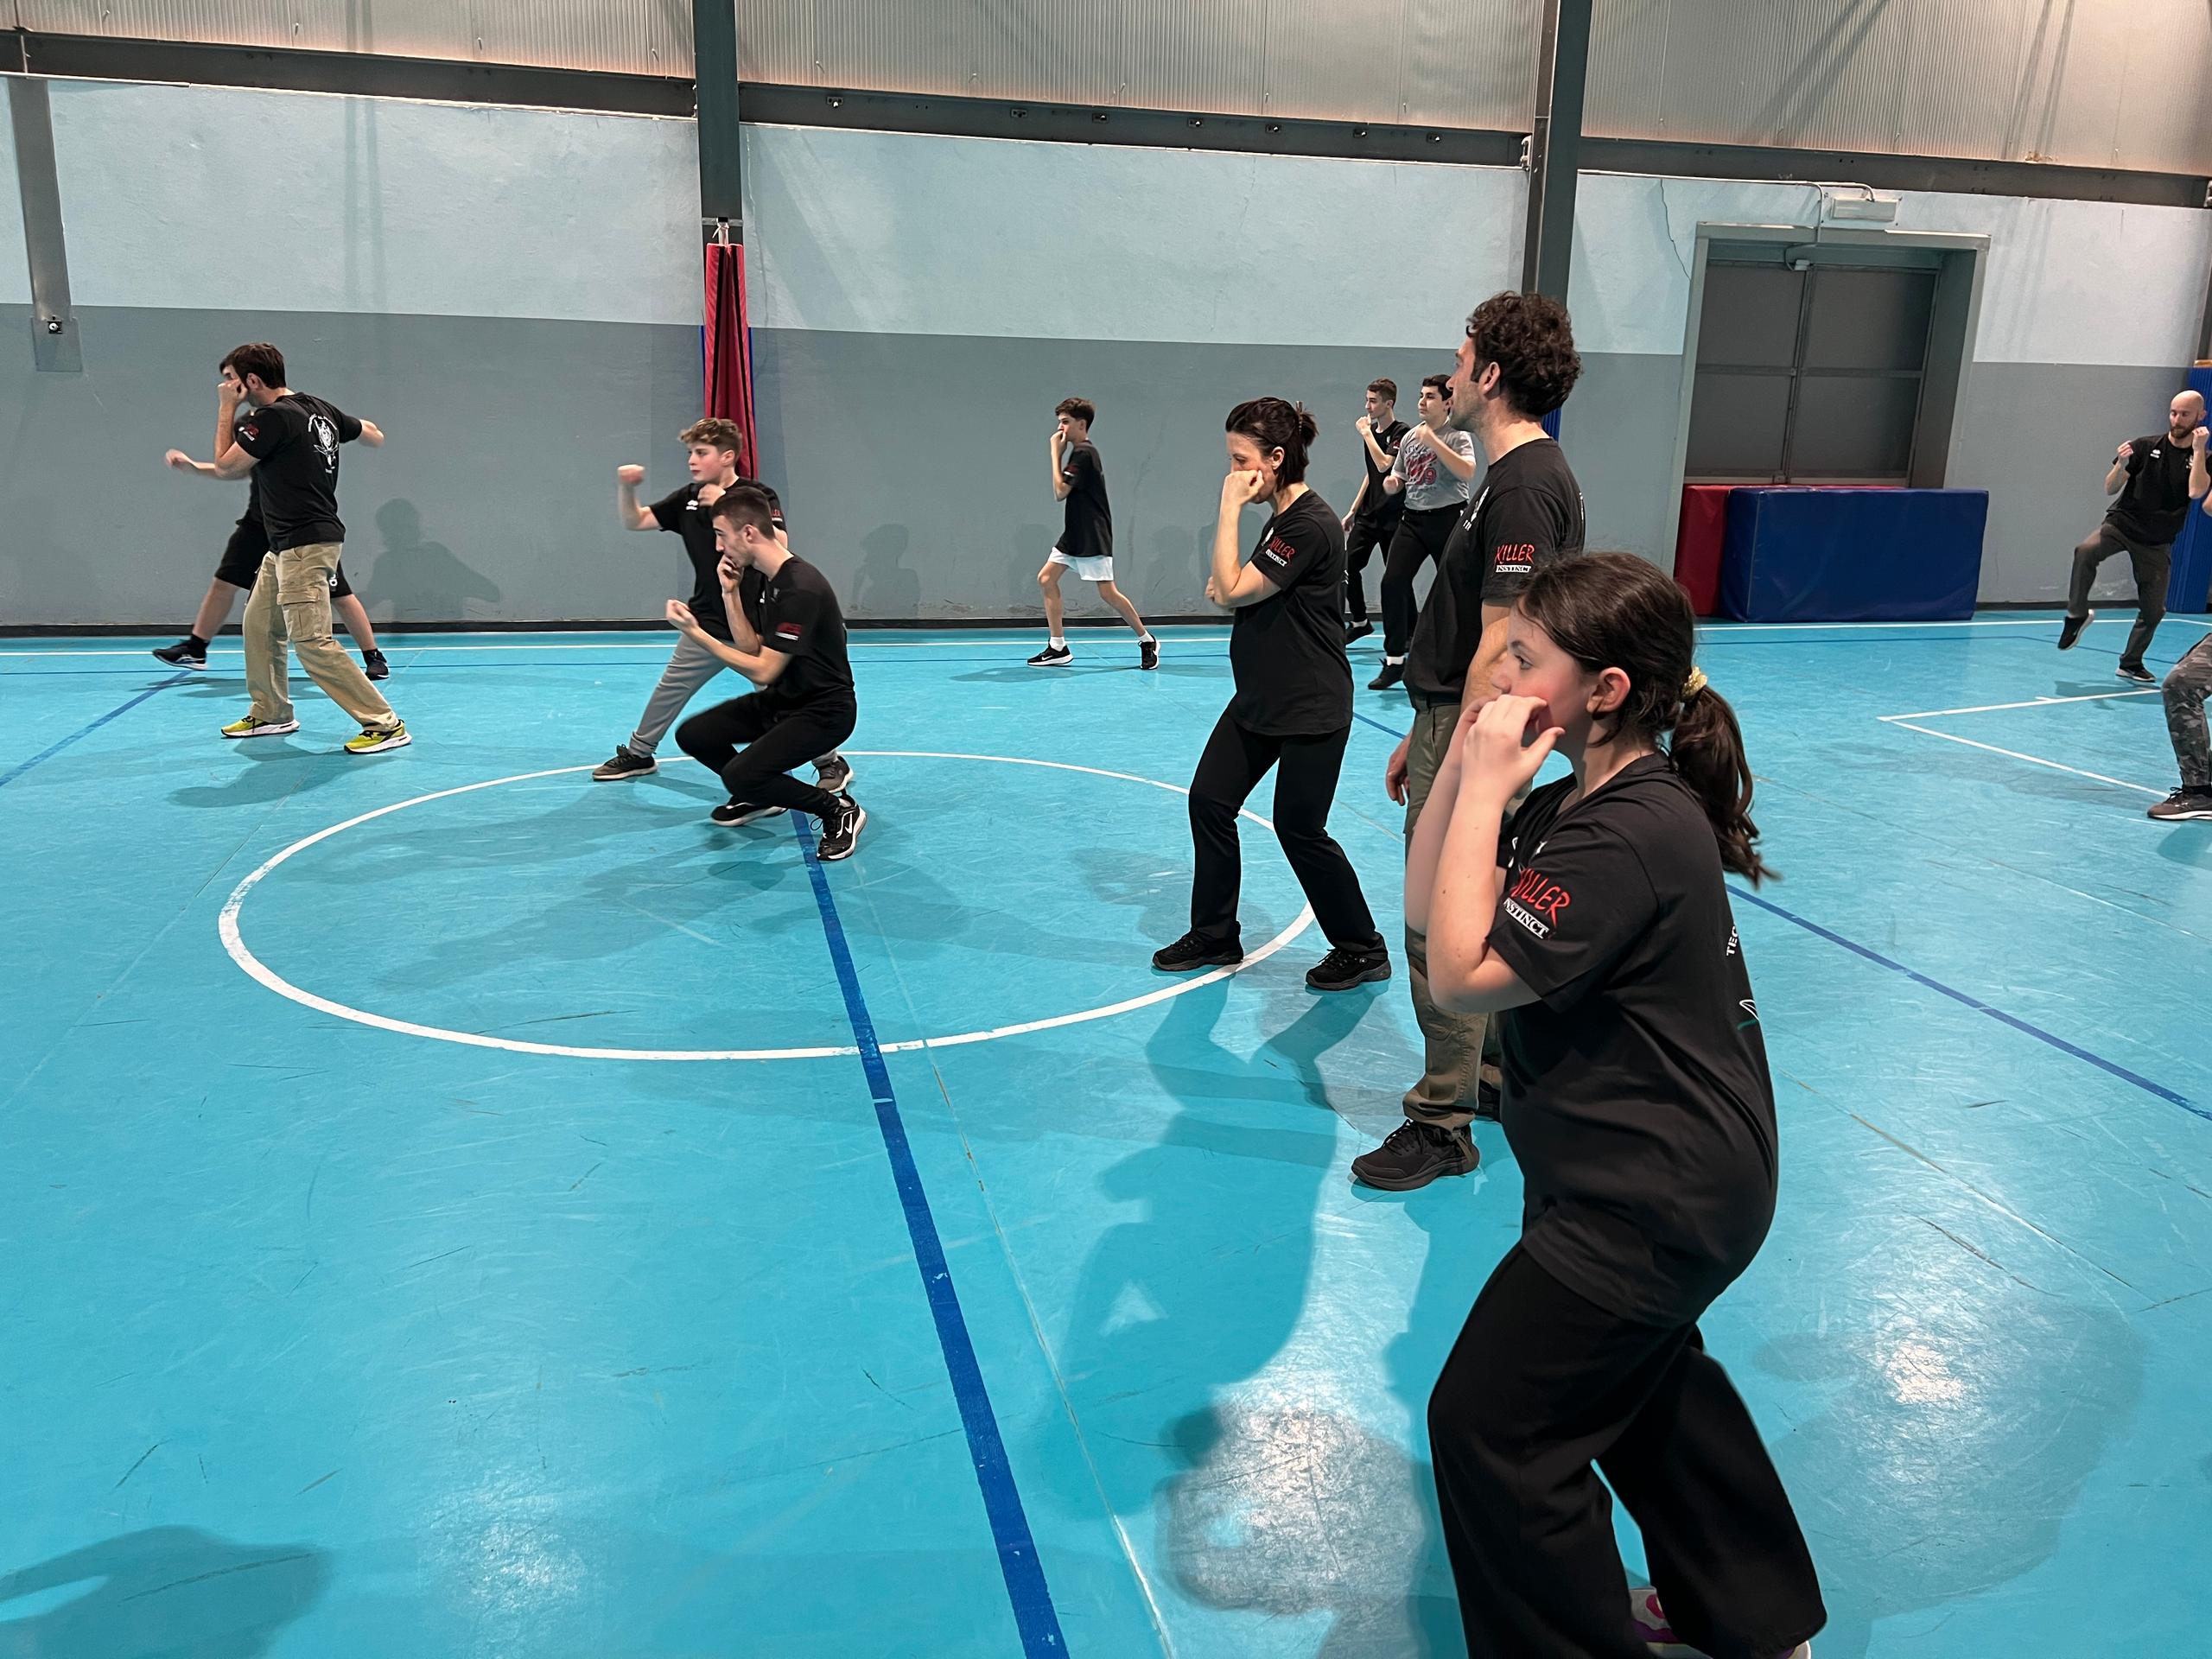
point(951, 514)
point(493, 498)
point(513, 294)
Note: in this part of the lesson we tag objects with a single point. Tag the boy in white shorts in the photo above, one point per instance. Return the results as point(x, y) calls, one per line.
point(1086, 544)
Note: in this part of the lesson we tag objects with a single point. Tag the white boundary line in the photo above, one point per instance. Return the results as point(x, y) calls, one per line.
point(2033, 759)
point(2033, 703)
point(234, 943)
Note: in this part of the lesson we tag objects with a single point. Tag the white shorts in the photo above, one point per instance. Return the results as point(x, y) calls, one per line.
point(1097, 568)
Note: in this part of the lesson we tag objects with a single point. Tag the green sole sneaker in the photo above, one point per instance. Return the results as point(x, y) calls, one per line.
point(252, 727)
point(372, 742)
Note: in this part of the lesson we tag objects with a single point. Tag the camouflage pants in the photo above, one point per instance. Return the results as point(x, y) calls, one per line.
point(2185, 689)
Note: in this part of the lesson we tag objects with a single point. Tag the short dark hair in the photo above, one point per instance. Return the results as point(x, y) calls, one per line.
point(1076, 408)
point(258, 357)
point(1386, 386)
point(1531, 340)
point(746, 503)
point(1441, 382)
point(721, 433)
point(1273, 425)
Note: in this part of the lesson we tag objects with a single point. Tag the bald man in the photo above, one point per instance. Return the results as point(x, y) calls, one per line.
point(2156, 479)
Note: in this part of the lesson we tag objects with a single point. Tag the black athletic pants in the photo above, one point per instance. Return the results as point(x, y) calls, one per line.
point(2152, 563)
point(1369, 531)
point(1542, 1384)
point(775, 736)
point(1421, 536)
point(1306, 784)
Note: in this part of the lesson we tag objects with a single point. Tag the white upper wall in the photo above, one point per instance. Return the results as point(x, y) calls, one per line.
point(207, 198)
point(2068, 281)
point(15, 266)
point(882, 232)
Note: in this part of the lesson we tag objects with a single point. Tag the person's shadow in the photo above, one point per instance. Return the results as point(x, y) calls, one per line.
point(886, 588)
point(167, 1592)
point(417, 577)
point(1175, 581)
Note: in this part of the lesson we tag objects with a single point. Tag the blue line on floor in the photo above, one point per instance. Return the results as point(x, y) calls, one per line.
point(1034, 1613)
point(86, 731)
point(1941, 988)
point(1978, 1005)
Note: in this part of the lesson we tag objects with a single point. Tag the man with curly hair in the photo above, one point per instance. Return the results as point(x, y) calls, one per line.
point(1516, 364)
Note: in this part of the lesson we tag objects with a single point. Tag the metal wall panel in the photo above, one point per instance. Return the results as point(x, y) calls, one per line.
point(2083, 82)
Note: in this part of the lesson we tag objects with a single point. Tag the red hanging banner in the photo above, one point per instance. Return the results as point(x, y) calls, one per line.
point(729, 344)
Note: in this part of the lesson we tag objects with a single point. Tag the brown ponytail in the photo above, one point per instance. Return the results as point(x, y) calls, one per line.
point(1613, 610)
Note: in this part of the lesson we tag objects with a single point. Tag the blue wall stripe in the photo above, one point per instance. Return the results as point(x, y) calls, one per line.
point(1941, 989)
point(1034, 1613)
point(48, 753)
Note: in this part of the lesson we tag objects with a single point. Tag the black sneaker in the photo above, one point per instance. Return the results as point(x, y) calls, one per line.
point(1147, 653)
point(2136, 674)
point(1191, 953)
point(730, 814)
point(624, 762)
point(840, 830)
point(183, 654)
point(1344, 967)
point(373, 666)
point(833, 772)
point(1053, 656)
point(2072, 630)
point(1414, 1154)
point(1358, 628)
point(1391, 674)
point(2189, 801)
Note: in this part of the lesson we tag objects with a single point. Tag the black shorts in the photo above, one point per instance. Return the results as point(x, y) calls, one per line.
point(242, 558)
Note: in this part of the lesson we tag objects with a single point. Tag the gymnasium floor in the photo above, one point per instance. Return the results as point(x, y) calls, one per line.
point(453, 1208)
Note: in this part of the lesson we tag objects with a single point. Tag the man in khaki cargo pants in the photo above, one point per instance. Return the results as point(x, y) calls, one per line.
point(289, 442)
point(1516, 365)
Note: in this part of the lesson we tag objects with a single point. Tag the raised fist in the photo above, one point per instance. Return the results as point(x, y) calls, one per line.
point(630, 473)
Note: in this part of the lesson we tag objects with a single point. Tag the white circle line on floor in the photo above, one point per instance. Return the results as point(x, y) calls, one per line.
point(234, 943)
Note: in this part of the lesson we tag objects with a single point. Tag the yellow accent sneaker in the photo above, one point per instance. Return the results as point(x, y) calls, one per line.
point(372, 741)
point(252, 727)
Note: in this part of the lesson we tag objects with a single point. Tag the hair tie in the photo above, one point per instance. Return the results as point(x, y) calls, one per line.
point(1695, 684)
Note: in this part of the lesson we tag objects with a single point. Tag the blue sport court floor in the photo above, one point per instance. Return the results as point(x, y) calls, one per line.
point(454, 1208)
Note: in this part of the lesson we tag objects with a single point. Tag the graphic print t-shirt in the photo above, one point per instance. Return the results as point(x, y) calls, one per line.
point(1089, 530)
point(293, 442)
point(799, 616)
point(1429, 483)
point(1637, 1099)
point(1527, 513)
point(686, 514)
point(2153, 503)
point(1287, 651)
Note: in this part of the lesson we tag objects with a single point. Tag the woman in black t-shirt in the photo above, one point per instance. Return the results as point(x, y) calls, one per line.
point(1291, 710)
point(1637, 1102)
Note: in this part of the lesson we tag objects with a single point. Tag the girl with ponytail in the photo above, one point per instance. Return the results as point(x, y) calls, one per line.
point(1637, 1102)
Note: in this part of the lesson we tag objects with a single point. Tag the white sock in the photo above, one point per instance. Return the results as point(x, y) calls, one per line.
point(1395, 662)
point(1146, 639)
point(1059, 643)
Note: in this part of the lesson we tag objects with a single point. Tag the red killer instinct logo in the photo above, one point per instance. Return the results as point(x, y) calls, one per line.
point(1535, 902)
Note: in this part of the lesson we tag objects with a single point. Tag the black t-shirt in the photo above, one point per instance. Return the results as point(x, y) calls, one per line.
point(1287, 650)
point(685, 515)
point(1527, 513)
point(799, 615)
point(1636, 1096)
point(293, 442)
point(1379, 503)
point(2153, 503)
point(1089, 531)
